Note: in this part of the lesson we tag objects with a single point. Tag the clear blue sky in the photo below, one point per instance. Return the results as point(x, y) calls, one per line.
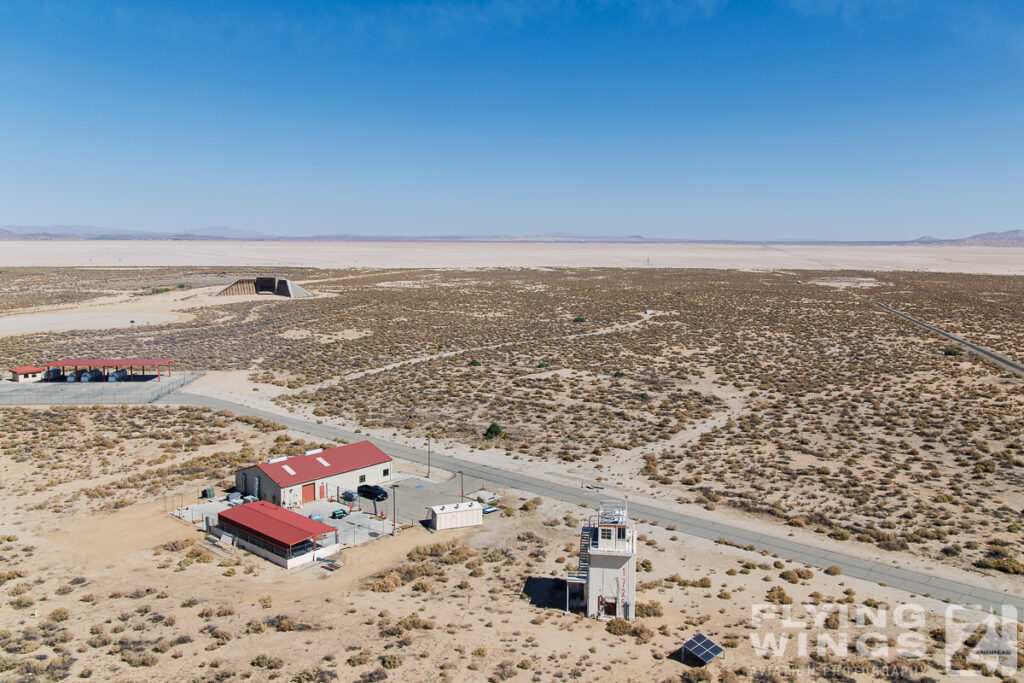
point(826, 119)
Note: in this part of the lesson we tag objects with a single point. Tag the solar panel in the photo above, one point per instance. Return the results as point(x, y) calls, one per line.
point(703, 648)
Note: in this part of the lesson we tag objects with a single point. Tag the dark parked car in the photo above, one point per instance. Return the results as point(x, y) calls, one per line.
point(376, 493)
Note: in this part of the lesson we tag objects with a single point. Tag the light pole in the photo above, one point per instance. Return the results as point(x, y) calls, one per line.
point(394, 509)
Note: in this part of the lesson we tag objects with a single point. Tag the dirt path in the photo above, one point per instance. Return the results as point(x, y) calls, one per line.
point(617, 327)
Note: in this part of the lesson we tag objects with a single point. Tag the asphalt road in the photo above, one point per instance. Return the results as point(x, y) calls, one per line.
point(914, 582)
point(987, 354)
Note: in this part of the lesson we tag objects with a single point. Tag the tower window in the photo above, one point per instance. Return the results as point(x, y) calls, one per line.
point(606, 534)
point(622, 533)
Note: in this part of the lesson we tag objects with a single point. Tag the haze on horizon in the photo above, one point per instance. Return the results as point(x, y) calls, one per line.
point(696, 119)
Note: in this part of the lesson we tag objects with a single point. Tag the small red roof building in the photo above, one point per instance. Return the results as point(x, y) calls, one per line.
point(26, 370)
point(276, 524)
point(304, 468)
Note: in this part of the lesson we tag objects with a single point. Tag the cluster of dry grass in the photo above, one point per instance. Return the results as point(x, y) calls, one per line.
point(68, 460)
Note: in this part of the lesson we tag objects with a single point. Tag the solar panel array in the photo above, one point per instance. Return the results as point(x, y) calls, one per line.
point(703, 648)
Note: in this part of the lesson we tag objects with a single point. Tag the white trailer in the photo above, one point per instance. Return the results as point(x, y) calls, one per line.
point(456, 515)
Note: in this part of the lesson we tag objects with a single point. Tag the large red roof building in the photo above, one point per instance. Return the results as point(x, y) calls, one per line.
point(318, 475)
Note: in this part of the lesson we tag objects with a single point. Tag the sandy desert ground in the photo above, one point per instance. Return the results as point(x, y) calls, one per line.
point(128, 254)
point(777, 398)
point(101, 584)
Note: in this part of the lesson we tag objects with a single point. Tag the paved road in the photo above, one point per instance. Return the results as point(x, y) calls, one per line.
point(911, 581)
point(987, 354)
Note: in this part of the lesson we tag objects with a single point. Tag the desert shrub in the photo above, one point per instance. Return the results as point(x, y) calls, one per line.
point(778, 595)
point(137, 659)
point(387, 583)
point(1003, 564)
point(494, 430)
point(59, 614)
point(504, 671)
point(641, 633)
point(286, 624)
point(618, 627)
point(220, 635)
point(314, 675)
point(790, 575)
point(22, 602)
point(391, 661)
point(180, 544)
point(833, 570)
point(695, 675)
point(649, 609)
point(254, 627)
point(11, 574)
point(265, 661)
point(531, 504)
point(360, 658)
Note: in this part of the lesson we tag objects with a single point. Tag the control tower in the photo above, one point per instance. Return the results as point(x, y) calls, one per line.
point(607, 564)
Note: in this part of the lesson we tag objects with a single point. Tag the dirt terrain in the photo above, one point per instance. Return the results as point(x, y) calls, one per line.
point(784, 398)
point(109, 587)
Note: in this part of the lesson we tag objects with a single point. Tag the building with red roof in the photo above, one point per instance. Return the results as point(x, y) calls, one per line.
point(317, 475)
point(279, 535)
point(26, 373)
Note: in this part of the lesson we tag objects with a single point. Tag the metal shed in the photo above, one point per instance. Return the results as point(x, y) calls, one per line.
point(456, 515)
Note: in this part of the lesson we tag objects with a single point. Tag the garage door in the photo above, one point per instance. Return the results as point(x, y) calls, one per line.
point(308, 493)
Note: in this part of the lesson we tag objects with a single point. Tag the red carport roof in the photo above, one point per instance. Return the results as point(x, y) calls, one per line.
point(107, 362)
point(274, 522)
point(24, 369)
point(304, 468)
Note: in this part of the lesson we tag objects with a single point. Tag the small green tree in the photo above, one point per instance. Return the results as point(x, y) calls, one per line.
point(493, 431)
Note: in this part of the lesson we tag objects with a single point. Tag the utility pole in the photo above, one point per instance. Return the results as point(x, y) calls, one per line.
point(462, 480)
point(428, 457)
point(394, 509)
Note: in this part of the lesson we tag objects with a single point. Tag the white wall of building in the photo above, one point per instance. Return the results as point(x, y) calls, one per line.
point(323, 488)
point(27, 377)
point(456, 515)
point(612, 577)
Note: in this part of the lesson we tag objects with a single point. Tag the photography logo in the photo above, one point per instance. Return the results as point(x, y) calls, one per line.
point(977, 642)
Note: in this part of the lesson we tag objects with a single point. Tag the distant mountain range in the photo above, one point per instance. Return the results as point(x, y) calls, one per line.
point(1010, 238)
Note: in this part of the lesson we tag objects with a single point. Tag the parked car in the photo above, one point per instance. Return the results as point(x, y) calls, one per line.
point(338, 514)
point(372, 492)
point(349, 496)
point(316, 517)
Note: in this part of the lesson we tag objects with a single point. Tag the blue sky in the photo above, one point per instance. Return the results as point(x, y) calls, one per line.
point(703, 119)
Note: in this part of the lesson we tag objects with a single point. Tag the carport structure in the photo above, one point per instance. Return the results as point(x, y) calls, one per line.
point(105, 364)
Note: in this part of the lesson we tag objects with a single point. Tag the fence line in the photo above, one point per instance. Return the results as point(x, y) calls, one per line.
point(95, 393)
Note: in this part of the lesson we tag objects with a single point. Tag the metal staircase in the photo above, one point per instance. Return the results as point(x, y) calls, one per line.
point(583, 566)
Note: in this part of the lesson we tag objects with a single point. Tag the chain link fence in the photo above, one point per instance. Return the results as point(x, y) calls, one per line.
point(94, 393)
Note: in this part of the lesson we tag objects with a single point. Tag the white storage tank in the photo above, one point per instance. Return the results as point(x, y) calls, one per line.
point(456, 515)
